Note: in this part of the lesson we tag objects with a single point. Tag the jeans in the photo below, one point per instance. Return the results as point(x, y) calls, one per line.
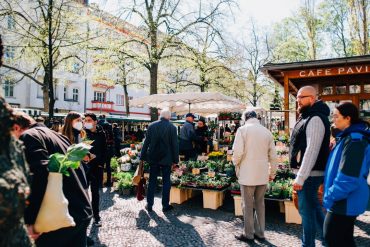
point(166, 179)
point(338, 230)
point(95, 190)
point(310, 210)
point(253, 205)
point(109, 155)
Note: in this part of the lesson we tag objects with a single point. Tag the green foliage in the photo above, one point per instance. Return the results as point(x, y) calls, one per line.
point(61, 163)
point(114, 164)
point(124, 180)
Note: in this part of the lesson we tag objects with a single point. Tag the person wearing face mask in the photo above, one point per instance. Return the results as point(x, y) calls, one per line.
point(40, 142)
point(95, 133)
point(73, 127)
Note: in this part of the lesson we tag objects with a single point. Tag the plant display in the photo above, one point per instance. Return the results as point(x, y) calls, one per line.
point(281, 189)
point(229, 116)
point(60, 163)
point(216, 155)
point(124, 180)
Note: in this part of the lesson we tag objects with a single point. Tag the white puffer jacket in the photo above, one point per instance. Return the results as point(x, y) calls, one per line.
point(254, 154)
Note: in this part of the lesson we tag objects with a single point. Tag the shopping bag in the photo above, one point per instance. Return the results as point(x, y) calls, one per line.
point(53, 213)
point(320, 194)
point(138, 174)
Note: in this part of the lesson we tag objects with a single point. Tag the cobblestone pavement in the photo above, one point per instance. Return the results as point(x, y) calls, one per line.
point(127, 223)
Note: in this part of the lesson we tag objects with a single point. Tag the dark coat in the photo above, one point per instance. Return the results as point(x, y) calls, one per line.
point(41, 142)
point(201, 144)
point(99, 147)
point(160, 145)
point(187, 136)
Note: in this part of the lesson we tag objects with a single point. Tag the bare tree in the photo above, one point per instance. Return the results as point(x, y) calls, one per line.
point(257, 53)
point(46, 34)
point(163, 24)
point(359, 10)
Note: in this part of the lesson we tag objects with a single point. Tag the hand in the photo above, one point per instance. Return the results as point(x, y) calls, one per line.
point(297, 187)
point(32, 233)
point(86, 159)
point(173, 167)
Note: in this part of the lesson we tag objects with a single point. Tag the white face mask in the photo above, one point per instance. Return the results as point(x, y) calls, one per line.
point(78, 126)
point(88, 126)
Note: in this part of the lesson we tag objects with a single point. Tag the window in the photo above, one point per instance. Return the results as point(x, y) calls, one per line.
point(11, 22)
point(99, 96)
point(65, 93)
point(8, 88)
point(75, 94)
point(327, 90)
point(75, 68)
point(354, 89)
point(120, 99)
point(341, 89)
point(9, 52)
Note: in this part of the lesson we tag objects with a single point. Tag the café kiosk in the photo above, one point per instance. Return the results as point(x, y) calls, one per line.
point(337, 80)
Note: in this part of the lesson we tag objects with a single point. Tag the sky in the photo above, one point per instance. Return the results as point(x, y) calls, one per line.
point(264, 12)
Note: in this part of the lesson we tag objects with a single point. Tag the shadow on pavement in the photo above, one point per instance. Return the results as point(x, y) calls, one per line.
point(169, 230)
point(106, 198)
point(94, 235)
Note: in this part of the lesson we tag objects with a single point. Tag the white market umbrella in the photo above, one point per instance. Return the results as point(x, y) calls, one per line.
point(196, 102)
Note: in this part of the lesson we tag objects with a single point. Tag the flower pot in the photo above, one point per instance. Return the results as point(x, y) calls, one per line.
point(53, 213)
point(125, 191)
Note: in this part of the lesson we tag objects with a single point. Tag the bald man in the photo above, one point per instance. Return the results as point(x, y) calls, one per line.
point(309, 151)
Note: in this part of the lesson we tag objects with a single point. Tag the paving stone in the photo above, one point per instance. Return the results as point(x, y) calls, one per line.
point(127, 223)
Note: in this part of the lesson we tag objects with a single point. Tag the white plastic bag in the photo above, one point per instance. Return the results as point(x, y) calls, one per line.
point(53, 213)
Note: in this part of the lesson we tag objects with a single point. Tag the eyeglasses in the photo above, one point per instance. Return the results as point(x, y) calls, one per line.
point(303, 96)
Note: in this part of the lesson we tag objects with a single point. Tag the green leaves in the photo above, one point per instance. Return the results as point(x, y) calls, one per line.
point(61, 163)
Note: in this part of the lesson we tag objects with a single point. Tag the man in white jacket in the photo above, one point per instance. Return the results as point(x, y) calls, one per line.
point(254, 157)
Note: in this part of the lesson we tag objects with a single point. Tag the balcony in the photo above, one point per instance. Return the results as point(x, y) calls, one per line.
point(106, 106)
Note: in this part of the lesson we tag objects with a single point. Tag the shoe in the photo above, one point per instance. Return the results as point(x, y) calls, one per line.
point(259, 238)
point(89, 241)
point(170, 207)
point(149, 208)
point(243, 238)
point(97, 223)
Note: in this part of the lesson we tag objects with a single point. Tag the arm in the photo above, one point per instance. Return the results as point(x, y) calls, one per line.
point(349, 174)
point(272, 157)
point(315, 132)
point(175, 145)
point(147, 141)
point(238, 148)
point(38, 158)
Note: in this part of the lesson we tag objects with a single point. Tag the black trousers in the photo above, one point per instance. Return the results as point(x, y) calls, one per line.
point(189, 154)
point(109, 155)
point(95, 190)
point(68, 237)
point(338, 230)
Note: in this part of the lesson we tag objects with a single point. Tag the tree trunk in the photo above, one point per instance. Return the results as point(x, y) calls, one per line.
point(49, 73)
point(45, 93)
point(365, 45)
point(127, 102)
point(153, 88)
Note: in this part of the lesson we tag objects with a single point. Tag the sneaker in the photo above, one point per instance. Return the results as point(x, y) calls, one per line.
point(149, 208)
point(170, 207)
point(97, 223)
point(243, 238)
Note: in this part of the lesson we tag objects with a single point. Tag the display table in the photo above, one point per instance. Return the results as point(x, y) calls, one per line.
point(212, 199)
point(285, 206)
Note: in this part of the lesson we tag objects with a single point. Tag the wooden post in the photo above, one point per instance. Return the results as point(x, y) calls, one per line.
point(286, 103)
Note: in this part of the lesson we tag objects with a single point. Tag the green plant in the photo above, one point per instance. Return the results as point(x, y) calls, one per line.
point(60, 163)
point(114, 164)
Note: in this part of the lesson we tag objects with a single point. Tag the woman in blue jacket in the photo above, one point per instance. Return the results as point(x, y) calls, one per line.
point(345, 188)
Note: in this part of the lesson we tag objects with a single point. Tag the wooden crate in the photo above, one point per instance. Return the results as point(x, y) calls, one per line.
point(291, 213)
point(238, 206)
point(212, 199)
point(177, 195)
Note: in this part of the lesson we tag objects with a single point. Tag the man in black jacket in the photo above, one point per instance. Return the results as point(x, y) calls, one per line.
point(161, 151)
point(109, 138)
point(96, 134)
point(40, 142)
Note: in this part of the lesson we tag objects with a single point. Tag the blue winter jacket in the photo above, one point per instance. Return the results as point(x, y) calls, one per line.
point(345, 187)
